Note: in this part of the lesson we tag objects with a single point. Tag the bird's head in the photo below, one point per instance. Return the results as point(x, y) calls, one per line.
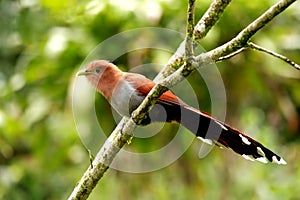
point(95, 68)
point(103, 75)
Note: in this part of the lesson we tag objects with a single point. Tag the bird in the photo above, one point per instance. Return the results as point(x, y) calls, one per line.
point(125, 91)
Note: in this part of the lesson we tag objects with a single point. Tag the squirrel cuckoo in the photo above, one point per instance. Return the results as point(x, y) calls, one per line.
point(125, 91)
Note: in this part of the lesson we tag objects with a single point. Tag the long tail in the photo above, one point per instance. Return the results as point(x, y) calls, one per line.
point(213, 131)
point(210, 131)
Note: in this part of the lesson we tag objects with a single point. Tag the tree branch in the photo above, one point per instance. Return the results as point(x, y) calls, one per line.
point(122, 133)
point(284, 58)
point(208, 20)
point(243, 37)
point(103, 159)
point(189, 49)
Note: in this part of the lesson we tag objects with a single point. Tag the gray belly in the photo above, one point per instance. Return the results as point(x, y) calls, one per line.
point(125, 99)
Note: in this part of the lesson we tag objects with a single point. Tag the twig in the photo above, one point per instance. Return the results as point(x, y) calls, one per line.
point(231, 55)
point(189, 39)
point(189, 49)
point(91, 158)
point(272, 53)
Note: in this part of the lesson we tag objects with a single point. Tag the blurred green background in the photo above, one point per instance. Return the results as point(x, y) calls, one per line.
point(42, 45)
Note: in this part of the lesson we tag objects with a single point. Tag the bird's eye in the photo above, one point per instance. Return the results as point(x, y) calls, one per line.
point(97, 70)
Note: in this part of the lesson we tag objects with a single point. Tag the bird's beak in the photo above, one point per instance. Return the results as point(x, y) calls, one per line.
point(84, 73)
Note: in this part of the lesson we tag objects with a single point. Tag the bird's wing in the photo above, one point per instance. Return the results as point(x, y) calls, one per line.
point(144, 85)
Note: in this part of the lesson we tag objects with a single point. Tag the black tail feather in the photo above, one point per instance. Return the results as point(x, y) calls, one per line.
point(213, 131)
point(210, 130)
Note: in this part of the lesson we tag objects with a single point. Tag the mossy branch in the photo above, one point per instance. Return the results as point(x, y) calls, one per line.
point(204, 25)
point(241, 40)
point(189, 49)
